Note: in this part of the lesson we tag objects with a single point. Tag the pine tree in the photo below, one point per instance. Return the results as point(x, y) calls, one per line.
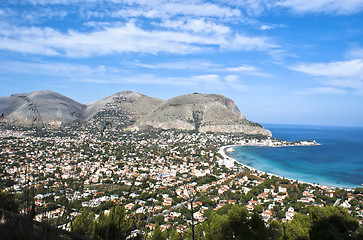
point(83, 224)
point(158, 234)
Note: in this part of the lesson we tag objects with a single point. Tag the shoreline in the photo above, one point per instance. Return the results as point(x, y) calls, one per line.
point(230, 162)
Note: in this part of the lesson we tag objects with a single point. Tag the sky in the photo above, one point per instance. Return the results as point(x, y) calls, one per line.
point(280, 61)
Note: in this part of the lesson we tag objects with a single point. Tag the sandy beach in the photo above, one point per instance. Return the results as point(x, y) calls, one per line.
point(230, 162)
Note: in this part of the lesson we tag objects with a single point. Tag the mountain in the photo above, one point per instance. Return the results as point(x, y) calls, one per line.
point(47, 106)
point(126, 109)
point(122, 109)
point(202, 113)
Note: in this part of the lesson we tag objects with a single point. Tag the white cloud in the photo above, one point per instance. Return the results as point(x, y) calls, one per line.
point(128, 38)
point(54, 69)
point(248, 69)
point(243, 68)
point(252, 7)
point(28, 40)
point(356, 52)
point(178, 27)
point(202, 65)
point(197, 26)
point(337, 77)
point(239, 42)
point(343, 69)
point(165, 9)
point(149, 9)
point(43, 13)
point(107, 75)
point(324, 90)
point(120, 39)
point(212, 79)
point(181, 65)
point(202, 8)
point(198, 81)
point(258, 7)
point(234, 82)
point(266, 27)
point(110, 75)
point(354, 83)
point(323, 6)
point(271, 26)
point(56, 2)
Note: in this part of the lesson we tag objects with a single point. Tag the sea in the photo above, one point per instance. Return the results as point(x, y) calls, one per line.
point(337, 162)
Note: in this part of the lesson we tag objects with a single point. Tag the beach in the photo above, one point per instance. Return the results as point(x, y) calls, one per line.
point(230, 162)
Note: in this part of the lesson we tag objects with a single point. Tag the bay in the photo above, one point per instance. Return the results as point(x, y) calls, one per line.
point(337, 162)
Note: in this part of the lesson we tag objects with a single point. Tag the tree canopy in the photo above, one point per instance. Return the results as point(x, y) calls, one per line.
point(114, 225)
point(323, 223)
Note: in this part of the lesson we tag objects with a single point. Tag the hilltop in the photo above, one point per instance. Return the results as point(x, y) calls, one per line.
point(131, 110)
point(121, 109)
point(202, 113)
point(24, 109)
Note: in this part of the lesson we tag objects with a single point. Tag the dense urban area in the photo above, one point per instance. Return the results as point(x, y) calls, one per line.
point(106, 183)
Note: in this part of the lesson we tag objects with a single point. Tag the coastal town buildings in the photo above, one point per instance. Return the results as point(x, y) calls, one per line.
point(151, 175)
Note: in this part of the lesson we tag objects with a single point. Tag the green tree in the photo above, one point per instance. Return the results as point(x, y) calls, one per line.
point(238, 222)
point(332, 223)
point(258, 208)
point(8, 202)
point(359, 233)
point(323, 223)
point(275, 230)
point(257, 227)
point(218, 228)
point(174, 235)
point(298, 228)
point(158, 234)
point(83, 224)
point(62, 200)
point(358, 190)
point(114, 225)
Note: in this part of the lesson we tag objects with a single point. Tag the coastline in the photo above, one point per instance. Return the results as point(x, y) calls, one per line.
point(230, 162)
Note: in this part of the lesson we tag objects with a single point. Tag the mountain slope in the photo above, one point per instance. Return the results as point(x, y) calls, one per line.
point(200, 112)
point(51, 106)
point(122, 109)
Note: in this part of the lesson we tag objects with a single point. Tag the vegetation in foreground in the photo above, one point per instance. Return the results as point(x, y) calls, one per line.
point(229, 222)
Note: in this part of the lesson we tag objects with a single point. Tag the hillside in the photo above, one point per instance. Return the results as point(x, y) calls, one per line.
point(121, 109)
point(135, 111)
point(54, 108)
point(202, 113)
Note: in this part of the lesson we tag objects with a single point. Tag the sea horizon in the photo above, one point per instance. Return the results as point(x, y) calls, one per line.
point(336, 162)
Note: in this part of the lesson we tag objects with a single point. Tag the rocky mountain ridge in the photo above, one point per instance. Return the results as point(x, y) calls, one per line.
point(202, 113)
point(131, 110)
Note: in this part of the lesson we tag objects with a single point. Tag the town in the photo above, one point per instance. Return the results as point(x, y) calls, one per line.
point(172, 179)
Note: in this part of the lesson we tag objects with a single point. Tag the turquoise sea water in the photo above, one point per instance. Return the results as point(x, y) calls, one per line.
point(338, 162)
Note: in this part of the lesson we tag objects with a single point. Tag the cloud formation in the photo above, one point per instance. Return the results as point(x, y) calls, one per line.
point(234, 82)
point(101, 74)
point(323, 6)
point(338, 7)
point(148, 26)
point(120, 39)
point(342, 69)
point(336, 76)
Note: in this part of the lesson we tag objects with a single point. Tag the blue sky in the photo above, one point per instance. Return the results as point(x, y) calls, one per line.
point(281, 61)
